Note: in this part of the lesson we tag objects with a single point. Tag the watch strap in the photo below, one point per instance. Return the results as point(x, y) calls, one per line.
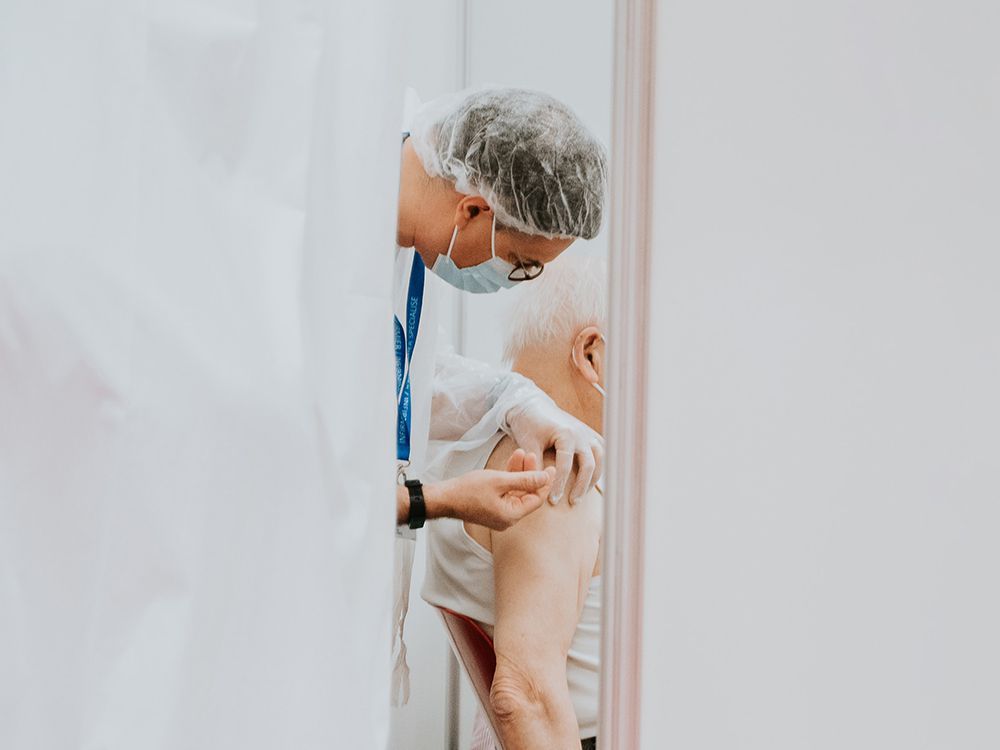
point(418, 507)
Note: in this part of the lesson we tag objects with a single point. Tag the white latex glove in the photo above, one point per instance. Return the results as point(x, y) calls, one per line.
point(536, 424)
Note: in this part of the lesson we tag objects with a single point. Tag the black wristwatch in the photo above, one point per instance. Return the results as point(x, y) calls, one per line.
point(418, 508)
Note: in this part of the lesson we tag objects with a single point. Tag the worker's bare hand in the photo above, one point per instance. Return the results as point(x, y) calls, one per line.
point(496, 499)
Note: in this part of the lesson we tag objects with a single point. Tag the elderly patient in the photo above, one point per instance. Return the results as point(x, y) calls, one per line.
point(535, 587)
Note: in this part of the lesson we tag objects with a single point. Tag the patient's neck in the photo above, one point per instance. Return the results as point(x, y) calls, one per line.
point(553, 372)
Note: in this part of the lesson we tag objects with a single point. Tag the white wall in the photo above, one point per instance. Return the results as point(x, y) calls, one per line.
point(188, 465)
point(823, 509)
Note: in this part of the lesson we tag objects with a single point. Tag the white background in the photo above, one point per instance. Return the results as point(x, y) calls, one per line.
point(195, 296)
point(824, 429)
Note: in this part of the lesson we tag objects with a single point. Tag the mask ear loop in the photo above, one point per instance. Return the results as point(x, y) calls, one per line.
point(493, 238)
point(598, 386)
point(451, 244)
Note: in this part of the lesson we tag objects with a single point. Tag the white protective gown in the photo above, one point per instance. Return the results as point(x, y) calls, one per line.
point(415, 337)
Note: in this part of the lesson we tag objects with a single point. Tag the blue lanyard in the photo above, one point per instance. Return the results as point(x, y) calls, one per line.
point(405, 341)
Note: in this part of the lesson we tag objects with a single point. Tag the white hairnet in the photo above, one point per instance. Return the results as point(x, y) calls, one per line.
point(525, 153)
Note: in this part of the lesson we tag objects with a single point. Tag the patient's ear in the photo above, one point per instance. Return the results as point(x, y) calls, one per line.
point(588, 354)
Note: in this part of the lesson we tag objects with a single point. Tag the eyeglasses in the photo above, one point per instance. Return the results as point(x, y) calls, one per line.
point(526, 270)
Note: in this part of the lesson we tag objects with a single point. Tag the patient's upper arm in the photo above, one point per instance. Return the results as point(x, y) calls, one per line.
point(542, 569)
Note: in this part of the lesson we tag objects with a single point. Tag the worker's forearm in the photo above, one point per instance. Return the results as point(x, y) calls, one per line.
point(436, 498)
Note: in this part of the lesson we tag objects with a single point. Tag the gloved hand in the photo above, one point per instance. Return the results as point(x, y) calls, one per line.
point(536, 424)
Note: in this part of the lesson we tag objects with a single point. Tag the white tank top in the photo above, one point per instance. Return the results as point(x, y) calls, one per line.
point(460, 578)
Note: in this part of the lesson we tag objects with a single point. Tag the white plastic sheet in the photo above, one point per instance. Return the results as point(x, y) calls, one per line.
point(197, 205)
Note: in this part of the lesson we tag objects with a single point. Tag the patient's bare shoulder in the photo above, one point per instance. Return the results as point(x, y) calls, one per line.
point(501, 453)
point(583, 521)
point(497, 460)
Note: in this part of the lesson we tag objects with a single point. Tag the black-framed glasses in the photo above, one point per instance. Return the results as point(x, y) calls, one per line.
point(526, 270)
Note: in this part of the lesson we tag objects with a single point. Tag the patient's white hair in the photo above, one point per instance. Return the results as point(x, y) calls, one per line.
point(571, 294)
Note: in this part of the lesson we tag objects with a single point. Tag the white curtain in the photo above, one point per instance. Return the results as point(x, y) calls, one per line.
point(197, 210)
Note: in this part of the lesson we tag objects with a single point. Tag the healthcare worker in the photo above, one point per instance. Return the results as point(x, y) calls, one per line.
point(494, 184)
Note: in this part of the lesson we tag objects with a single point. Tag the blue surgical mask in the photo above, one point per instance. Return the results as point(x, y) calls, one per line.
point(484, 278)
